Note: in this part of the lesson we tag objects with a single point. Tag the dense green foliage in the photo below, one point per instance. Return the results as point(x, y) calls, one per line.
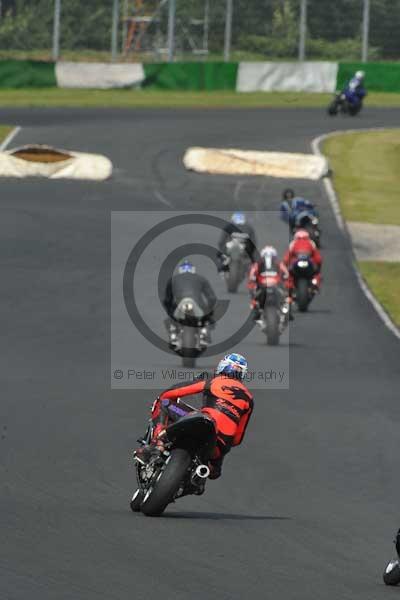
point(268, 28)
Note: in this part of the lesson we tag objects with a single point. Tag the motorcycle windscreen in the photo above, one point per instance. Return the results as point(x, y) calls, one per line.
point(195, 433)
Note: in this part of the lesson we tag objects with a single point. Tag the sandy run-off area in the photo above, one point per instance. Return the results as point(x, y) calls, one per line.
point(375, 242)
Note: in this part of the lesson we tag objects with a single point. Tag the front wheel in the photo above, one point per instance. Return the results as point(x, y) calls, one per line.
point(333, 108)
point(302, 294)
point(391, 576)
point(233, 277)
point(163, 491)
point(272, 325)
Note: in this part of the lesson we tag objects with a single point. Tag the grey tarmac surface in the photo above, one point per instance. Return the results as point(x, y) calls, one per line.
point(306, 508)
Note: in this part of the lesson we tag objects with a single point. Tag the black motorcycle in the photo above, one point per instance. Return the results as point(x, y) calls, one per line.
point(182, 468)
point(189, 333)
point(341, 103)
point(303, 272)
point(391, 575)
point(309, 222)
point(237, 263)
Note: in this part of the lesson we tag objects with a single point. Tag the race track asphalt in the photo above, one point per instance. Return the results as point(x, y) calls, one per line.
point(306, 508)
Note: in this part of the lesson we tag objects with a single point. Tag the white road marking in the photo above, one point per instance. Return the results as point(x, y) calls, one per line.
point(330, 191)
point(163, 199)
point(9, 138)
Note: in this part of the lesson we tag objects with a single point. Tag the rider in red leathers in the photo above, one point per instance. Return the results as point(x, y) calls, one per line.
point(226, 400)
point(302, 244)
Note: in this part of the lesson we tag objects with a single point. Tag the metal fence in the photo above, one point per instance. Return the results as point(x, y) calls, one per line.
point(137, 30)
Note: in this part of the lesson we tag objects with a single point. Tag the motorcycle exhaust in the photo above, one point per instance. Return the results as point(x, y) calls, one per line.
point(201, 473)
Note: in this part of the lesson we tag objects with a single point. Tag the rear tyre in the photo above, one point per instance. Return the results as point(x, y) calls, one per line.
point(391, 576)
point(354, 110)
point(272, 325)
point(162, 493)
point(137, 500)
point(233, 277)
point(188, 347)
point(311, 232)
point(302, 296)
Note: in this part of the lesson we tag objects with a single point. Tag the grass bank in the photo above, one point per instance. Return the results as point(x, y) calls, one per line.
point(383, 278)
point(53, 97)
point(366, 176)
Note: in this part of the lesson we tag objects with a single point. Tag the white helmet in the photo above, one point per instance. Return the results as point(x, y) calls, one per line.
point(360, 75)
point(270, 256)
point(268, 251)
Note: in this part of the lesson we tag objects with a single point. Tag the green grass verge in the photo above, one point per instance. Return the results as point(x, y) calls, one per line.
point(366, 175)
point(383, 278)
point(4, 131)
point(48, 97)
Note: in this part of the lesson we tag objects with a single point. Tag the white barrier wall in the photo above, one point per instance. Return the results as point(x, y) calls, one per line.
point(287, 77)
point(98, 75)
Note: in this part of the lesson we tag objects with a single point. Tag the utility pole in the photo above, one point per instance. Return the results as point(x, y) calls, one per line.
point(56, 30)
point(125, 16)
point(365, 31)
point(114, 31)
point(206, 25)
point(228, 30)
point(171, 30)
point(303, 30)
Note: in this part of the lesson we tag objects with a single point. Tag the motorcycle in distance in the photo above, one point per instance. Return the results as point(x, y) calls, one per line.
point(304, 285)
point(182, 468)
point(391, 575)
point(188, 334)
point(310, 222)
point(346, 102)
point(275, 310)
point(237, 262)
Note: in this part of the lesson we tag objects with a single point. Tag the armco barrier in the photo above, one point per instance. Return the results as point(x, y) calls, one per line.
point(244, 77)
point(27, 73)
point(287, 77)
point(98, 75)
point(191, 76)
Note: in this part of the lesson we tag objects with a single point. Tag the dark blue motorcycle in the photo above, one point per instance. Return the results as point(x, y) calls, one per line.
point(301, 214)
point(348, 102)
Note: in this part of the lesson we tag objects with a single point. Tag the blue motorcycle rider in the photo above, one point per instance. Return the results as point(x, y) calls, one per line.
point(355, 91)
point(292, 206)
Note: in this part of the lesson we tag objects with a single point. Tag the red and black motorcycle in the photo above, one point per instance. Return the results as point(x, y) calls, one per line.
point(274, 306)
point(305, 284)
point(182, 468)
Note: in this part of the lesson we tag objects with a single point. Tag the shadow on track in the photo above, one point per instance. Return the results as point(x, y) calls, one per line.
point(222, 516)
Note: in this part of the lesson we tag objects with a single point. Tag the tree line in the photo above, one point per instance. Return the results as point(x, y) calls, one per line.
point(268, 28)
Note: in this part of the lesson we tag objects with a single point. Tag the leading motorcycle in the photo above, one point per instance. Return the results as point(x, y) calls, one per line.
point(182, 468)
